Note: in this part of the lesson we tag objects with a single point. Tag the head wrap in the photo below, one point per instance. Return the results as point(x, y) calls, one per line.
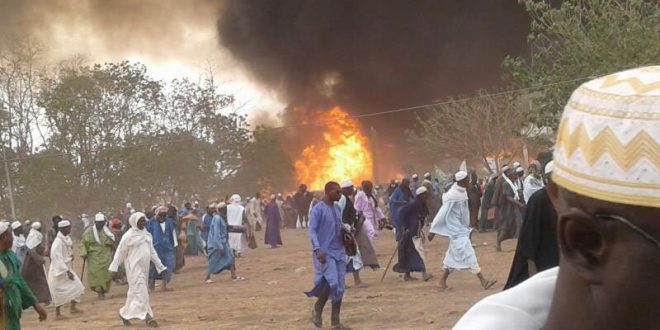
point(235, 198)
point(3, 227)
point(420, 190)
point(505, 168)
point(549, 167)
point(99, 217)
point(608, 139)
point(460, 175)
point(36, 225)
point(15, 225)
point(346, 183)
point(63, 223)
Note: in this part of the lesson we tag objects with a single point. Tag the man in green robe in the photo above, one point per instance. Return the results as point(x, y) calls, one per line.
point(96, 250)
point(14, 292)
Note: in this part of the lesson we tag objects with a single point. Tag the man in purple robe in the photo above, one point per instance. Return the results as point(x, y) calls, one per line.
point(329, 257)
point(273, 221)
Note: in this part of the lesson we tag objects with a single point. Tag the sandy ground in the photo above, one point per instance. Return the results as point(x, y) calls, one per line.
point(272, 296)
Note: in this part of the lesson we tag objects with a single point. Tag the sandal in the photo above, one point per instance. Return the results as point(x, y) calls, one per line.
point(209, 281)
point(151, 323)
point(126, 322)
point(238, 279)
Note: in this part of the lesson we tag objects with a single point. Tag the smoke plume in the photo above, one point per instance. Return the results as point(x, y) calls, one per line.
point(372, 55)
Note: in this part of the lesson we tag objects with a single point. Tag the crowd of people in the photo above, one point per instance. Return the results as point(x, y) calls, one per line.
point(592, 213)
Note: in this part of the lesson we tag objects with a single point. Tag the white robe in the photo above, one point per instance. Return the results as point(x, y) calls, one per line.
point(254, 213)
point(62, 289)
point(136, 251)
point(531, 185)
point(237, 241)
point(453, 221)
point(19, 248)
point(525, 306)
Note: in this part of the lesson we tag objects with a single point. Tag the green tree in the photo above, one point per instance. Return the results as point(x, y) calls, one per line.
point(580, 39)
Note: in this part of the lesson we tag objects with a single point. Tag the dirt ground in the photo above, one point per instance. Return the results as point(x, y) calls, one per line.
point(272, 296)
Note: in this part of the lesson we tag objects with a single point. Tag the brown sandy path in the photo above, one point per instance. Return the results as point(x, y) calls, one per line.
point(272, 295)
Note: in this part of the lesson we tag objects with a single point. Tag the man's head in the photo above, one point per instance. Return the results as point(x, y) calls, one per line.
point(99, 221)
point(17, 228)
point(302, 188)
point(367, 187)
point(520, 172)
point(161, 213)
point(462, 179)
point(427, 176)
point(187, 205)
point(6, 238)
point(347, 187)
point(332, 191)
point(222, 209)
point(415, 178)
point(257, 195)
point(607, 169)
point(64, 227)
point(405, 182)
point(421, 194)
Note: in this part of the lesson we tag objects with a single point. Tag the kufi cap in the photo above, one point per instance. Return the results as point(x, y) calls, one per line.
point(99, 217)
point(420, 190)
point(221, 205)
point(27, 222)
point(520, 169)
point(516, 164)
point(346, 183)
point(129, 205)
point(608, 139)
point(460, 175)
point(84, 215)
point(235, 198)
point(414, 176)
point(161, 209)
point(16, 224)
point(3, 227)
point(63, 223)
point(427, 181)
point(505, 168)
point(549, 167)
point(427, 175)
point(36, 225)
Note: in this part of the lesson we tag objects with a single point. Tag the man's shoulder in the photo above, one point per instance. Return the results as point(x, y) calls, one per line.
point(525, 306)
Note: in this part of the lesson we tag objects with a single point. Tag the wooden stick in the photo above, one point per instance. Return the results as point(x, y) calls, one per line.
point(390, 262)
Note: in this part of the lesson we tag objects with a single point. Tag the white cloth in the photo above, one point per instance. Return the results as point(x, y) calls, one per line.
point(531, 185)
point(237, 241)
point(34, 238)
point(19, 248)
point(453, 221)
point(513, 186)
point(136, 252)
point(106, 231)
point(525, 306)
point(254, 212)
point(371, 213)
point(62, 289)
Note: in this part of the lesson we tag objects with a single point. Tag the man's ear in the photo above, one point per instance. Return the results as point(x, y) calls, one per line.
point(583, 244)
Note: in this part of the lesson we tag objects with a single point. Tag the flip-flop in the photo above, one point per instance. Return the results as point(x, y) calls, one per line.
point(489, 284)
point(209, 281)
point(238, 278)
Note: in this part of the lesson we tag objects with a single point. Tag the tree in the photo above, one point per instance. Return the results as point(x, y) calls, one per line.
point(474, 128)
point(265, 166)
point(578, 40)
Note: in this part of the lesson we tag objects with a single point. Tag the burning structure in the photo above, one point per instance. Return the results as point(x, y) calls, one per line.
point(362, 57)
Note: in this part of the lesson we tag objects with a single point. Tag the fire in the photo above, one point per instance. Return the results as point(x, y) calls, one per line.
point(342, 154)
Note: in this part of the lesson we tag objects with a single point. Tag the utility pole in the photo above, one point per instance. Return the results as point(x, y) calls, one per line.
point(9, 185)
point(373, 155)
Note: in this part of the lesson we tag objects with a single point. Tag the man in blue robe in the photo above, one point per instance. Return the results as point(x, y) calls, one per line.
point(410, 244)
point(206, 223)
point(329, 256)
point(221, 256)
point(400, 197)
point(163, 231)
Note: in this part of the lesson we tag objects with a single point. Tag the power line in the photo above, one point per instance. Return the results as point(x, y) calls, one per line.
point(427, 106)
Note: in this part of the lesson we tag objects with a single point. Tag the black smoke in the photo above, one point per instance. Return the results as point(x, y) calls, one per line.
point(382, 54)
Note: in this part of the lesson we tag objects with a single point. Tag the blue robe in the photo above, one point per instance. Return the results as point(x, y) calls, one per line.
point(221, 256)
point(325, 234)
point(164, 246)
point(397, 196)
point(206, 226)
point(273, 221)
point(410, 217)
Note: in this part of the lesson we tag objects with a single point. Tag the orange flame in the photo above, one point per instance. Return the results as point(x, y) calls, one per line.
point(343, 154)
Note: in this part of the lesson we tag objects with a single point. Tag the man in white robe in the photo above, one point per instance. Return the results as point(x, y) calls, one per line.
point(18, 246)
point(136, 252)
point(254, 212)
point(235, 217)
point(533, 182)
point(453, 221)
point(64, 284)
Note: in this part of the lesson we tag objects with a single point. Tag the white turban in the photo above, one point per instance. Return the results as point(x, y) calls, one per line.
point(99, 217)
point(63, 223)
point(420, 190)
point(3, 227)
point(15, 225)
point(129, 205)
point(346, 183)
point(549, 167)
point(460, 175)
point(36, 225)
point(235, 198)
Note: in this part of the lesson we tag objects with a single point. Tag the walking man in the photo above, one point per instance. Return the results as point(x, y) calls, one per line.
point(96, 249)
